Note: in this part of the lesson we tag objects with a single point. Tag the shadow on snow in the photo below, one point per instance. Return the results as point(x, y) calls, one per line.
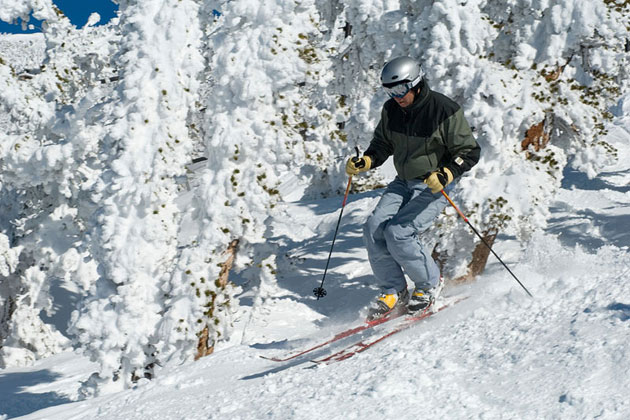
point(15, 401)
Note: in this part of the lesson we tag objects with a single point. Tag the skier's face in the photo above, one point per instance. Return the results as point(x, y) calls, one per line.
point(406, 100)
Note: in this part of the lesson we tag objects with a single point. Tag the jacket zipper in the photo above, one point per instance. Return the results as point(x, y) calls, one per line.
point(407, 127)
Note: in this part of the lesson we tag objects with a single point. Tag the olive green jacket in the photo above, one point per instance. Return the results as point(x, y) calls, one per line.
point(430, 134)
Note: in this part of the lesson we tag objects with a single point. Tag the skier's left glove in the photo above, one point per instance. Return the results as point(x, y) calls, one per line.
point(439, 179)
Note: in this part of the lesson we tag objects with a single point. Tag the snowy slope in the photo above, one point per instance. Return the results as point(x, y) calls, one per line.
point(499, 354)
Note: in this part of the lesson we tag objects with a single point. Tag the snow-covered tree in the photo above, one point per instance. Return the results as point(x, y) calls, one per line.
point(133, 230)
point(42, 176)
point(265, 118)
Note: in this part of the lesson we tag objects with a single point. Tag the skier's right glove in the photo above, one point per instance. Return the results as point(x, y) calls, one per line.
point(356, 165)
point(439, 179)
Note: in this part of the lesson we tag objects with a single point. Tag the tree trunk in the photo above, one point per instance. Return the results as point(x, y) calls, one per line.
point(204, 347)
point(538, 135)
point(479, 258)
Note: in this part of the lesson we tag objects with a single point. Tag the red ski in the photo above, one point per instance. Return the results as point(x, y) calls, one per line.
point(361, 346)
point(347, 333)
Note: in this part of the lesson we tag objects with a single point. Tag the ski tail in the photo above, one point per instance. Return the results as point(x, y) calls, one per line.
point(339, 336)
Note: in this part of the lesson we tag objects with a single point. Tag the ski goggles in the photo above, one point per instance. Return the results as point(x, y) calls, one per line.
point(401, 89)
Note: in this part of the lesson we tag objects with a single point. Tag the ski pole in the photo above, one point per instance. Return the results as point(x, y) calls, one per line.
point(320, 291)
point(484, 241)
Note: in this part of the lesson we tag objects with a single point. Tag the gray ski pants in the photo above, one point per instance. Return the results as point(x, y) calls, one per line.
point(391, 235)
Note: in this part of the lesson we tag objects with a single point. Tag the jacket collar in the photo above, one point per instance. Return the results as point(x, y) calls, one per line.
point(421, 98)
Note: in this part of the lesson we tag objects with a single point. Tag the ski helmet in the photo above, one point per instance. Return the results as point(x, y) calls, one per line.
point(401, 72)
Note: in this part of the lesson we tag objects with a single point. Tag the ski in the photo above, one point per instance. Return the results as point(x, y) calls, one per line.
point(361, 346)
point(339, 336)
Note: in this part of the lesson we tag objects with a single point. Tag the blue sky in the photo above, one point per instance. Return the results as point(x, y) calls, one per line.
point(77, 10)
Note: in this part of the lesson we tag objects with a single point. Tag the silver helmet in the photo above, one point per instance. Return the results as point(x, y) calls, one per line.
point(401, 69)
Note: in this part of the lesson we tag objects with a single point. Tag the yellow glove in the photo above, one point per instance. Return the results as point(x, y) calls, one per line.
point(354, 165)
point(439, 179)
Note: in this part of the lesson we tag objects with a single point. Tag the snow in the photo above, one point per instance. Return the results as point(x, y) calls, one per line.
point(23, 51)
point(498, 354)
point(112, 244)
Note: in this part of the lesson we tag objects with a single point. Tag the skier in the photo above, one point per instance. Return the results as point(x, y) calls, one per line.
point(432, 144)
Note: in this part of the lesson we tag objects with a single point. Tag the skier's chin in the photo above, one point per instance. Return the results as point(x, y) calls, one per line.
point(404, 102)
